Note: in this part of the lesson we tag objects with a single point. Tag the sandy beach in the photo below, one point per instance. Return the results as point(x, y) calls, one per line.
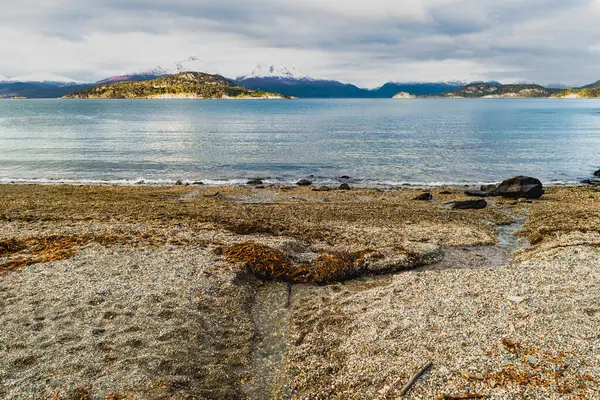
point(193, 292)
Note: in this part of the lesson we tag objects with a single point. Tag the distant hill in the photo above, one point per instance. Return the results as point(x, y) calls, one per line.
point(129, 78)
point(39, 90)
point(591, 85)
point(185, 85)
point(485, 90)
point(288, 81)
point(586, 93)
point(390, 89)
point(304, 87)
point(43, 77)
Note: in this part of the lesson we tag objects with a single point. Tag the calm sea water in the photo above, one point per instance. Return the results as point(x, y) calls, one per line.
point(374, 141)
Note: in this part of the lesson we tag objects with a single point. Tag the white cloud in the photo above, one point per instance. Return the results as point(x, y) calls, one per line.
point(352, 40)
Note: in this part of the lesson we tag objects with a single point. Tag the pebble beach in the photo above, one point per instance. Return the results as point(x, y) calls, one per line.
point(252, 292)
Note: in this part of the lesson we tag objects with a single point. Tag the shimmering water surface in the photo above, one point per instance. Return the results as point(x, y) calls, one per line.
point(374, 141)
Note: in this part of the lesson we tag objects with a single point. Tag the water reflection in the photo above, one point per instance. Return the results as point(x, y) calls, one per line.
point(376, 140)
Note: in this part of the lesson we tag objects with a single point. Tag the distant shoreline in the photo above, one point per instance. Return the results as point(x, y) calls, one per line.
point(570, 97)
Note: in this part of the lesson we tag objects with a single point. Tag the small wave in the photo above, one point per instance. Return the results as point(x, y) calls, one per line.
point(267, 181)
point(99, 182)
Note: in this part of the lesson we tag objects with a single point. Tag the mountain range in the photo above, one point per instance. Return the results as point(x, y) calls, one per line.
point(269, 78)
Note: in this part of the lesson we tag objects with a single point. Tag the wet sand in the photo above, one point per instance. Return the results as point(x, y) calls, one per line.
point(163, 293)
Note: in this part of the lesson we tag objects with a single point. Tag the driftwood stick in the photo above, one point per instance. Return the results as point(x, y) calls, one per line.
point(464, 396)
point(414, 378)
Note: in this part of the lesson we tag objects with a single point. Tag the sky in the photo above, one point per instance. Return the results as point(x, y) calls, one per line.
point(359, 41)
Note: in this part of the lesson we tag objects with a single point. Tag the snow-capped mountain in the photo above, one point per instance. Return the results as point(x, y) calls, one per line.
point(274, 71)
point(158, 71)
point(190, 64)
point(44, 78)
point(288, 81)
point(194, 64)
point(447, 83)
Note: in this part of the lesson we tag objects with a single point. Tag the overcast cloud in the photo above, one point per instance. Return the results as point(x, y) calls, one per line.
point(365, 42)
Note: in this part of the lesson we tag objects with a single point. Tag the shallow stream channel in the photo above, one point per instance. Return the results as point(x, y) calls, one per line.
point(274, 302)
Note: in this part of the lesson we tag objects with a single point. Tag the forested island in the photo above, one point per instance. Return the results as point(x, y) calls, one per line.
point(185, 85)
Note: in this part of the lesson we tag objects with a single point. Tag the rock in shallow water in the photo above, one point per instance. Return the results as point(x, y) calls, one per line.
point(254, 182)
point(518, 187)
point(593, 182)
point(304, 182)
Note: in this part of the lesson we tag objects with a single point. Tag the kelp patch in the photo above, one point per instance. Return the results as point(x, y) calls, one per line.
point(268, 263)
point(18, 253)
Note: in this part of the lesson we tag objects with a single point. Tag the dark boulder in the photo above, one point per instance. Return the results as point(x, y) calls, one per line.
point(254, 182)
point(345, 177)
point(519, 187)
point(304, 182)
point(467, 204)
point(476, 193)
point(424, 197)
point(198, 183)
point(597, 173)
point(345, 186)
point(593, 182)
point(179, 183)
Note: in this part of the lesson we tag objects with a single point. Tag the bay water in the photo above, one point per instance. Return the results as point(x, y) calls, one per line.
point(374, 141)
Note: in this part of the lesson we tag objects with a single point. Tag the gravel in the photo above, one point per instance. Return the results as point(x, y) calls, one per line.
point(365, 338)
point(148, 322)
point(158, 314)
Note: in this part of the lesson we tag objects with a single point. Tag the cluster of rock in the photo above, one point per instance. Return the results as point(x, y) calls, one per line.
point(593, 181)
point(257, 182)
point(518, 187)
